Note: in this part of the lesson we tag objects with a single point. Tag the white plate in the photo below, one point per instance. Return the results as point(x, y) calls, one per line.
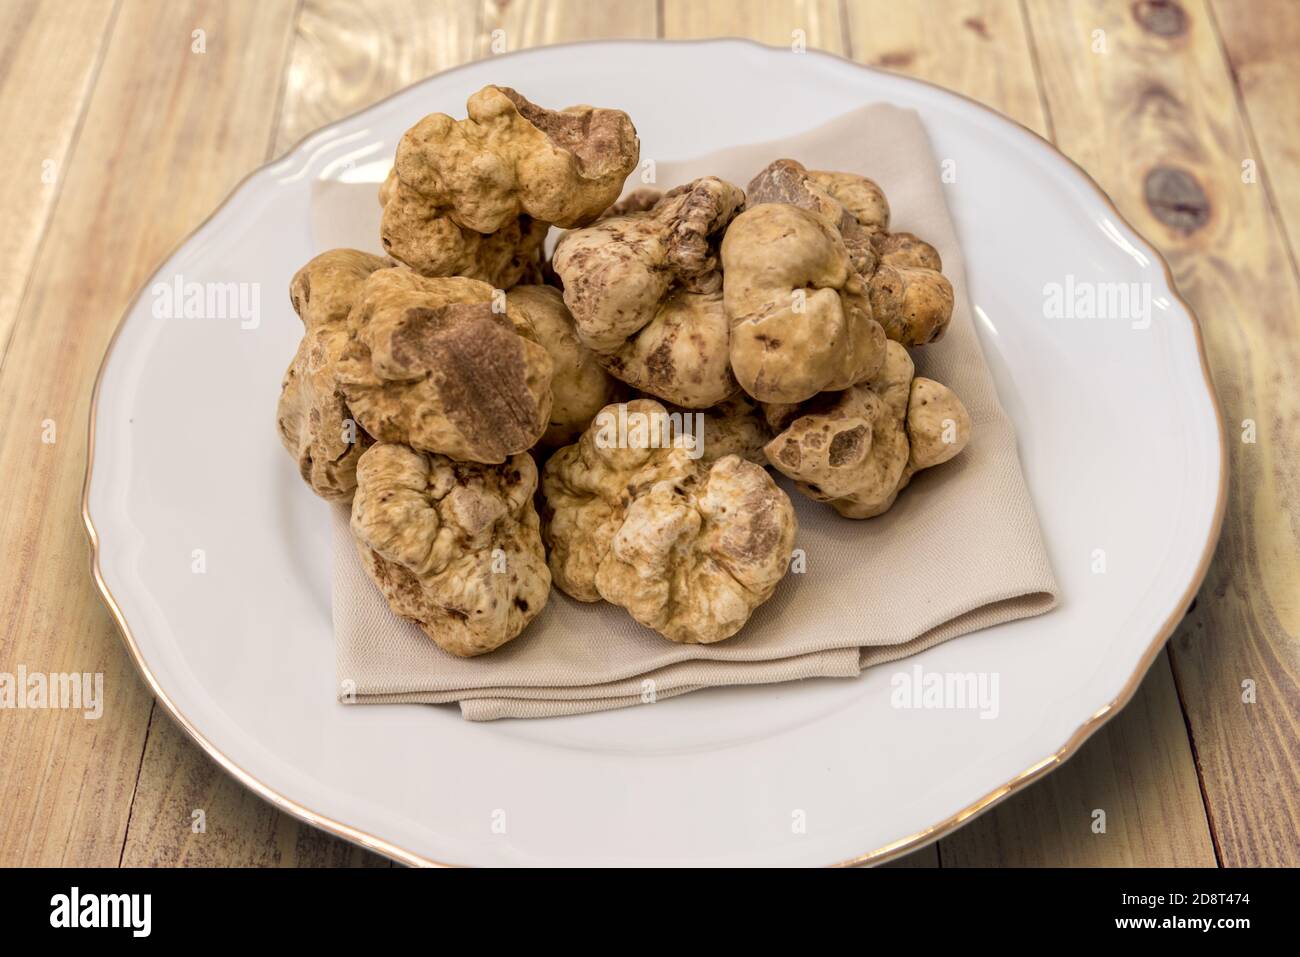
point(1119, 432)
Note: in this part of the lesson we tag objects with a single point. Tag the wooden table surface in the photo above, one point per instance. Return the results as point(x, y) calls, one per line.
point(120, 135)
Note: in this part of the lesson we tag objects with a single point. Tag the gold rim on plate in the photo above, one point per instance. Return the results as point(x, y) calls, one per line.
point(877, 856)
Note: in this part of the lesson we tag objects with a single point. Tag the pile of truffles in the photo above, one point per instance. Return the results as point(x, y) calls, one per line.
point(673, 347)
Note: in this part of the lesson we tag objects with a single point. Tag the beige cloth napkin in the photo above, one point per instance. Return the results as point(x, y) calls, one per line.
point(959, 551)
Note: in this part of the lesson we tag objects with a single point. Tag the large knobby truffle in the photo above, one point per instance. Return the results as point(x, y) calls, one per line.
point(512, 158)
point(422, 235)
point(690, 547)
point(439, 364)
point(858, 448)
point(455, 547)
point(645, 291)
point(315, 424)
point(800, 318)
point(910, 296)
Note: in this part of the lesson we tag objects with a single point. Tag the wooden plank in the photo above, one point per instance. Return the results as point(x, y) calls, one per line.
point(40, 112)
point(1259, 37)
point(155, 154)
point(976, 47)
point(1129, 798)
point(815, 23)
point(982, 48)
point(193, 814)
point(346, 55)
point(1160, 100)
point(530, 23)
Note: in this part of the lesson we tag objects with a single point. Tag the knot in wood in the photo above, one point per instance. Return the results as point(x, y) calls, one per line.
point(1176, 199)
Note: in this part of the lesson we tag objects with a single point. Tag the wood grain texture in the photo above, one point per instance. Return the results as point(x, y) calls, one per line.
point(1260, 37)
point(981, 48)
point(531, 23)
point(818, 23)
point(1159, 97)
point(976, 47)
point(156, 153)
point(190, 813)
point(346, 55)
point(40, 112)
point(1137, 771)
